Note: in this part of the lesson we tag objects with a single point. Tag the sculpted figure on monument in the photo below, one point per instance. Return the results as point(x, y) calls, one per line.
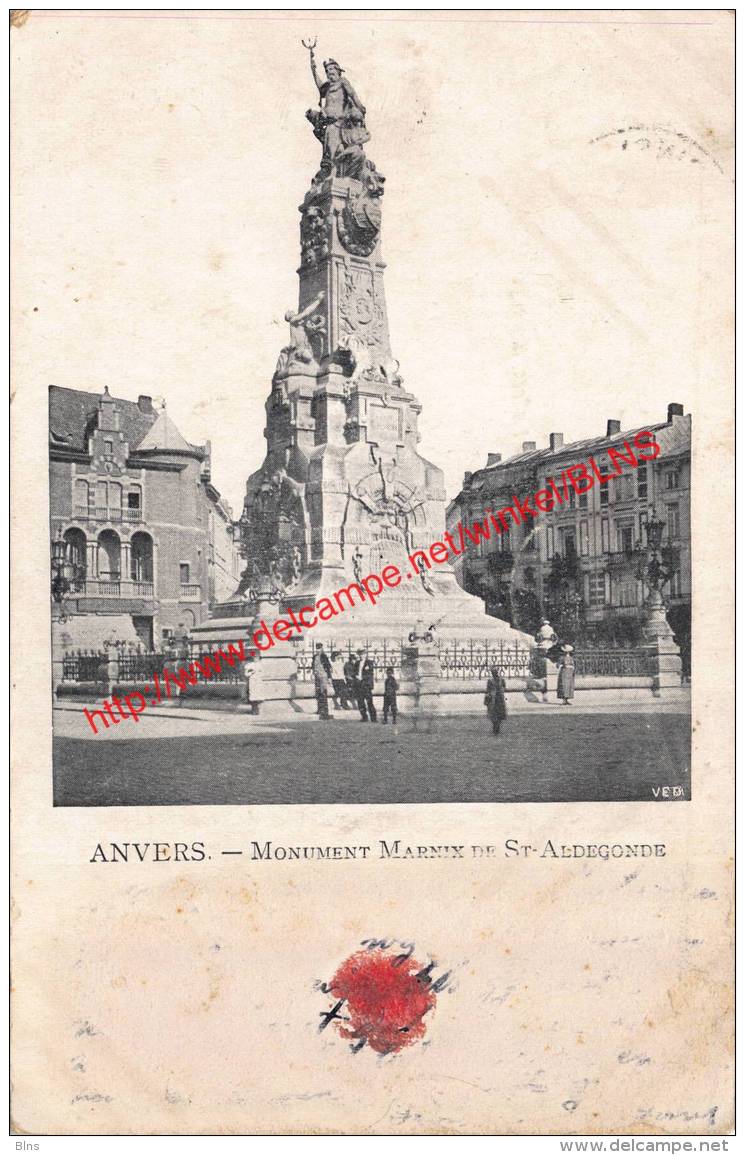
point(339, 124)
point(296, 564)
point(304, 325)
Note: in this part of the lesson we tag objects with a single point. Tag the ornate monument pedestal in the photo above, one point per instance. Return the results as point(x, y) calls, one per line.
point(343, 491)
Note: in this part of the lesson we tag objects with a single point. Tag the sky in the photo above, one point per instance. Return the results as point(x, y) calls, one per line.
point(546, 269)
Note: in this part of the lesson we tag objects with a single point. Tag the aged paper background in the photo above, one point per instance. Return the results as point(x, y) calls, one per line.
point(158, 162)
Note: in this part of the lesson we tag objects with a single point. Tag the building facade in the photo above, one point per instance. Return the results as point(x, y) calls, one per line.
point(147, 540)
point(581, 563)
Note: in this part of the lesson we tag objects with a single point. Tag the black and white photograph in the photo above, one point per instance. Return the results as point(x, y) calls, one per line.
point(515, 631)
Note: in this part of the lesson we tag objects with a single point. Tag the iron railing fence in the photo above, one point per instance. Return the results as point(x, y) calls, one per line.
point(611, 663)
point(459, 661)
point(466, 661)
point(140, 667)
point(473, 660)
point(227, 673)
point(384, 652)
point(84, 666)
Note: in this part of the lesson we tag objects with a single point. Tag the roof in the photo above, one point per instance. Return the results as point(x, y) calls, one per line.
point(673, 437)
point(72, 412)
point(163, 434)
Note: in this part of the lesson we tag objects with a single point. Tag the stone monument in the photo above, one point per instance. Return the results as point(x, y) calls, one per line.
point(343, 490)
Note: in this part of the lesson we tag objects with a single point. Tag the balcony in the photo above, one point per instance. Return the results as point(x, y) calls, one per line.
point(190, 593)
point(106, 513)
point(621, 558)
point(112, 588)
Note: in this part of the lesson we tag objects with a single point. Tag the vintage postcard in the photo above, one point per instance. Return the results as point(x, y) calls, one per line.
point(372, 630)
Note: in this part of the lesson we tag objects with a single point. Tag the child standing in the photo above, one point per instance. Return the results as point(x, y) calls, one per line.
point(389, 696)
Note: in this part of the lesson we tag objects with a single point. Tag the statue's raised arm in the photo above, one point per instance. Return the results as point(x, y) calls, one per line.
point(314, 71)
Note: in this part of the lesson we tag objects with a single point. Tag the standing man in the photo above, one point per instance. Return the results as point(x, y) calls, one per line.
point(494, 699)
point(367, 685)
point(338, 677)
point(355, 665)
point(390, 689)
point(321, 676)
point(351, 670)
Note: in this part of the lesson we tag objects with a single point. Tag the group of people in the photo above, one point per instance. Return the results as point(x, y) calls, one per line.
point(351, 683)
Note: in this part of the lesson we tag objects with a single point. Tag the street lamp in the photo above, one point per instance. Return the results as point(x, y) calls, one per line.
point(64, 572)
point(657, 563)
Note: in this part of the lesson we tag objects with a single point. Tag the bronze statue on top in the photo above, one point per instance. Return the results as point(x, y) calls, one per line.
point(339, 124)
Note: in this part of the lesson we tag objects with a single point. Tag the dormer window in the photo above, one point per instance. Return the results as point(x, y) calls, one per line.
point(108, 448)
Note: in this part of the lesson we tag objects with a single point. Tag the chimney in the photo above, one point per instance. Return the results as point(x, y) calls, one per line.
point(144, 403)
point(528, 446)
point(673, 410)
point(493, 459)
point(556, 440)
point(612, 427)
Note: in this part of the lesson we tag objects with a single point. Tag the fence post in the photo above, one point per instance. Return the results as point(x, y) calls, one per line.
point(423, 667)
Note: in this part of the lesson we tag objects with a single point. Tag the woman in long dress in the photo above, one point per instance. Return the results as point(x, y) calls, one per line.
point(565, 684)
point(494, 699)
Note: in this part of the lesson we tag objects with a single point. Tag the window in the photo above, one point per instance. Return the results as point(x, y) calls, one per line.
point(675, 589)
point(108, 448)
point(605, 535)
point(584, 538)
point(625, 538)
point(626, 594)
point(583, 501)
point(134, 498)
point(597, 589)
point(672, 481)
point(673, 521)
point(604, 494)
point(641, 481)
point(624, 487)
point(81, 495)
point(572, 497)
point(185, 573)
point(550, 548)
point(568, 542)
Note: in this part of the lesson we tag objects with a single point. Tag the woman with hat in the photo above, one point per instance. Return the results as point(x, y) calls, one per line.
point(565, 684)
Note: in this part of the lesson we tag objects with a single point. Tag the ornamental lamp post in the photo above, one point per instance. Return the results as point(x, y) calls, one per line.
point(653, 527)
point(64, 573)
point(656, 567)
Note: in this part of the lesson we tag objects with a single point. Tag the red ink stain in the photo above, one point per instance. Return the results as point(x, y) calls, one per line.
point(385, 997)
